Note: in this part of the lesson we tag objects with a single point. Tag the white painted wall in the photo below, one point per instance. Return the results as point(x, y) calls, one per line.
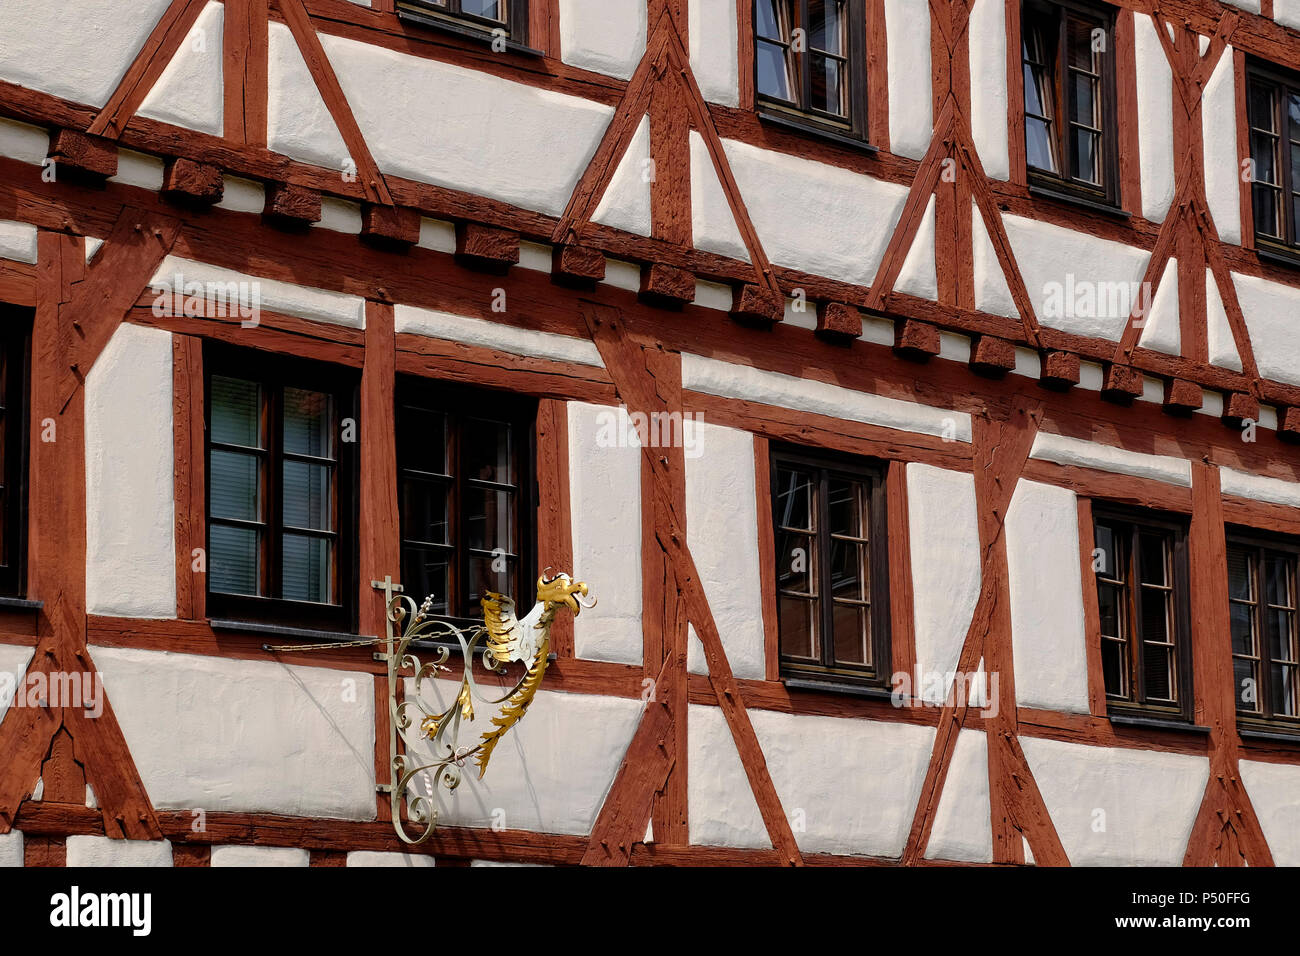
point(11, 848)
point(1113, 806)
point(1287, 13)
point(963, 828)
point(988, 89)
point(495, 335)
point(626, 203)
point(190, 92)
point(1274, 791)
point(298, 123)
point(992, 292)
point(244, 856)
point(811, 216)
point(13, 667)
point(130, 499)
point(27, 144)
point(712, 222)
point(1258, 488)
point(216, 734)
point(102, 851)
point(1155, 117)
point(722, 532)
point(1047, 634)
point(605, 491)
point(1222, 172)
point(45, 45)
point(714, 51)
point(551, 772)
point(944, 535)
point(848, 786)
point(17, 241)
point(1222, 346)
point(607, 36)
point(917, 275)
point(907, 35)
point(1087, 454)
point(1161, 330)
point(1269, 308)
point(373, 858)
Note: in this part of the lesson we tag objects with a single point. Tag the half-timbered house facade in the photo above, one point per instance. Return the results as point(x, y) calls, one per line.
point(912, 383)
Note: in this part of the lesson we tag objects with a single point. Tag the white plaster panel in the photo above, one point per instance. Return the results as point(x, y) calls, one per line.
point(606, 36)
point(1087, 454)
point(190, 92)
point(27, 144)
point(245, 735)
point(13, 665)
point(298, 123)
point(715, 377)
point(722, 532)
point(374, 858)
point(1155, 93)
point(1219, 125)
point(319, 305)
point(138, 169)
point(1270, 309)
point(130, 500)
point(1161, 330)
point(1287, 13)
point(244, 856)
point(11, 848)
point(480, 133)
point(917, 275)
point(1058, 263)
point(242, 195)
point(1047, 635)
point(992, 293)
point(944, 532)
point(907, 38)
point(1274, 790)
point(605, 490)
point(17, 241)
point(1222, 346)
point(808, 215)
point(341, 216)
point(713, 224)
point(962, 828)
point(102, 851)
point(1251, 5)
point(712, 26)
point(720, 804)
point(496, 335)
point(1258, 488)
point(45, 45)
point(551, 772)
point(988, 66)
point(1117, 806)
point(626, 203)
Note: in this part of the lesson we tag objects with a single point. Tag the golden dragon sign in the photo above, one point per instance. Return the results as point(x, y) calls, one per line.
point(430, 728)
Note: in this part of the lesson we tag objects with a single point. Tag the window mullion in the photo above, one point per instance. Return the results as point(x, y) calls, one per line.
point(1137, 688)
point(824, 577)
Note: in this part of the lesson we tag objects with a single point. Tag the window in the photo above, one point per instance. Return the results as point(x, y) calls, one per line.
point(1273, 110)
point(810, 63)
point(281, 447)
point(1142, 598)
point(832, 578)
point(466, 475)
point(1265, 635)
point(15, 327)
point(482, 18)
point(1069, 78)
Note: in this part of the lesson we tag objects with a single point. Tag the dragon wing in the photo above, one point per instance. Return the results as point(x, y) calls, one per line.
point(503, 629)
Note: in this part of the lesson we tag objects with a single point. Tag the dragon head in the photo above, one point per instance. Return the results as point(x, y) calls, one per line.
point(562, 590)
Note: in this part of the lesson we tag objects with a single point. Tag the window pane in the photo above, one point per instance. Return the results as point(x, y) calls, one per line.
point(1086, 148)
point(1040, 148)
point(1108, 601)
point(424, 511)
point(1155, 615)
point(490, 9)
point(308, 423)
point(1239, 567)
point(1085, 100)
point(844, 499)
point(1152, 564)
point(771, 19)
point(307, 571)
point(1282, 691)
point(488, 574)
point(236, 412)
point(1078, 44)
point(488, 522)
point(308, 496)
point(1263, 149)
point(1268, 213)
point(1277, 630)
point(1293, 115)
point(424, 439)
point(1243, 636)
point(485, 451)
point(233, 560)
point(424, 574)
point(1037, 94)
point(1104, 541)
point(794, 492)
point(1247, 685)
point(796, 563)
point(1114, 668)
point(847, 577)
point(827, 81)
point(1277, 581)
point(775, 71)
point(234, 490)
point(851, 634)
point(1260, 107)
point(798, 627)
point(825, 23)
point(1157, 665)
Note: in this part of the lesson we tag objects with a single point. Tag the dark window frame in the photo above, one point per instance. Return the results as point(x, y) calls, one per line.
point(828, 673)
point(1259, 543)
point(449, 16)
point(797, 113)
point(15, 344)
point(1134, 703)
point(1282, 82)
point(274, 373)
point(1064, 185)
point(458, 403)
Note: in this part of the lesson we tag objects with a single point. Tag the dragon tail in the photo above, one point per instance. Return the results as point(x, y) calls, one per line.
point(514, 707)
